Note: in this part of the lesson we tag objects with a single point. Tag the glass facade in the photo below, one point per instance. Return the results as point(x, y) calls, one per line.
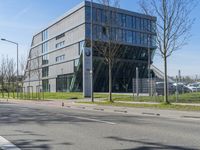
point(124, 28)
point(63, 83)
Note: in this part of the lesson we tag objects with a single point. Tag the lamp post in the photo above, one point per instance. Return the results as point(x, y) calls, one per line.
point(17, 60)
point(92, 94)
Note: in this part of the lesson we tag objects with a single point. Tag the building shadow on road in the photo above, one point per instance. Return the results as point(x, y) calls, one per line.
point(149, 145)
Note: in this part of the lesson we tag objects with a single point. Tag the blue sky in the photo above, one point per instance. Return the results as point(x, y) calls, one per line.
point(20, 19)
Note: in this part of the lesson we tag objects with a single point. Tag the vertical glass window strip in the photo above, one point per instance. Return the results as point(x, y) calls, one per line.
point(99, 32)
point(94, 32)
point(124, 20)
point(146, 39)
point(45, 71)
point(138, 25)
point(142, 38)
point(88, 13)
point(45, 47)
point(44, 35)
point(134, 39)
point(134, 23)
point(45, 59)
point(129, 36)
point(153, 26)
point(142, 24)
point(149, 25)
point(119, 35)
point(138, 38)
point(81, 46)
point(113, 18)
point(94, 14)
point(145, 24)
point(129, 22)
point(119, 19)
point(99, 15)
point(113, 34)
point(88, 31)
point(124, 36)
point(104, 13)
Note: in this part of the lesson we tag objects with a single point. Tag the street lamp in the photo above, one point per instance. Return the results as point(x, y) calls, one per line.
point(17, 60)
point(91, 72)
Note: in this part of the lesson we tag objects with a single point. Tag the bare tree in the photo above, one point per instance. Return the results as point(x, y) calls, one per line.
point(3, 71)
point(106, 43)
point(10, 75)
point(173, 27)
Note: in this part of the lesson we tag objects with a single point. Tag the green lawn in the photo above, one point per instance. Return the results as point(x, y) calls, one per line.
point(48, 96)
point(183, 98)
point(154, 106)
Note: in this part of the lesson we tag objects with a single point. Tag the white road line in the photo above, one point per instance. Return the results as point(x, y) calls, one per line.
point(6, 145)
point(95, 120)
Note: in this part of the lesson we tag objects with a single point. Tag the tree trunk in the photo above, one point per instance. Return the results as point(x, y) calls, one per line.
point(110, 81)
point(165, 81)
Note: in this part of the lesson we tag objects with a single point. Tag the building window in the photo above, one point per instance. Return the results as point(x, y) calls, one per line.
point(99, 15)
point(87, 13)
point(153, 26)
point(45, 59)
point(45, 86)
point(44, 35)
point(129, 37)
point(113, 34)
point(137, 35)
point(123, 20)
point(138, 25)
point(104, 33)
point(129, 22)
point(134, 38)
point(45, 47)
point(81, 47)
point(60, 44)
point(45, 71)
point(124, 36)
point(119, 19)
point(88, 30)
point(60, 36)
point(60, 58)
point(76, 63)
point(142, 38)
point(119, 35)
point(94, 11)
point(134, 23)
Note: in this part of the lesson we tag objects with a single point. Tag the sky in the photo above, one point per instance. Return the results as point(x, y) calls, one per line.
point(20, 19)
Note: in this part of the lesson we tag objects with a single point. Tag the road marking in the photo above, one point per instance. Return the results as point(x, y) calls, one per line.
point(95, 120)
point(6, 145)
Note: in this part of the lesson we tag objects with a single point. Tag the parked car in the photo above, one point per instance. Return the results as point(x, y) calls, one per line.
point(182, 88)
point(194, 87)
point(160, 88)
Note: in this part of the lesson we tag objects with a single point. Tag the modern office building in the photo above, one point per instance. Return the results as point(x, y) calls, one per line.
point(61, 59)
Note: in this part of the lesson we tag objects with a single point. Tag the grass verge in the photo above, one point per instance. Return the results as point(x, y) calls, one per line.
point(154, 106)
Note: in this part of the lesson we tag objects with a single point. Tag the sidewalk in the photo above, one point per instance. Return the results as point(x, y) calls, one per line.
point(71, 104)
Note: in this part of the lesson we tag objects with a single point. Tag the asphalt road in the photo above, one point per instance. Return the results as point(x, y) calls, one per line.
point(51, 128)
